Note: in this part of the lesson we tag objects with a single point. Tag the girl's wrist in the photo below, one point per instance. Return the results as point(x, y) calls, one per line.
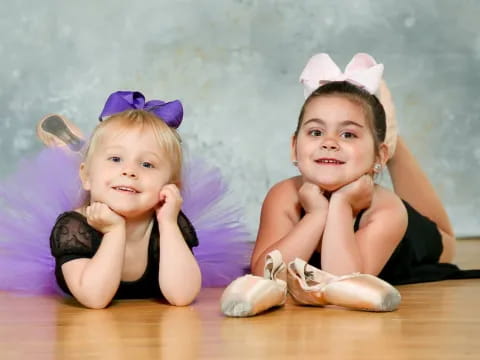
point(339, 201)
point(165, 223)
point(317, 212)
point(339, 197)
point(117, 230)
point(317, 217)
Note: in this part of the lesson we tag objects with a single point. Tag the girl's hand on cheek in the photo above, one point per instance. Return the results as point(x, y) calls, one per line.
point(312, 198)
point(102, 218)
point(170, 203)
point(358, 193)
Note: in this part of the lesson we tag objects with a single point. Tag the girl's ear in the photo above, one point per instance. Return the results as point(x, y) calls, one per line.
point(382, 156)
point(293, 149)
point(84, 177)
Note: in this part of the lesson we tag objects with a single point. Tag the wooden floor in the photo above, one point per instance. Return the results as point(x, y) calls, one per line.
point(435, 321)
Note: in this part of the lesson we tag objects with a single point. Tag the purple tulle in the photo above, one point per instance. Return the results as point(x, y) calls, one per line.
point(223, 252)
point(30, 201)
point(47, 184)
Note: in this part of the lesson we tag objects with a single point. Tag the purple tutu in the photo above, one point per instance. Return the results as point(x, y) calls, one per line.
point(48, 184)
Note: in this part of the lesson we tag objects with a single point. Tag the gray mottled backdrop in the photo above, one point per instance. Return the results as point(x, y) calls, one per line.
point(235, 65)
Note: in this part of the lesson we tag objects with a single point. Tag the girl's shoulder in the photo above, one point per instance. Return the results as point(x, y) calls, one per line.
point(73, 216)
point(287, 187)
point(77, 213)
point(73, 224)
point(72, 236)
point(283, 197)
point(385, 197)
point(385, 205)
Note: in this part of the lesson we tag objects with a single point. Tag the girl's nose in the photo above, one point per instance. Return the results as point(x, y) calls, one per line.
point(330, 145)
point(129, 173)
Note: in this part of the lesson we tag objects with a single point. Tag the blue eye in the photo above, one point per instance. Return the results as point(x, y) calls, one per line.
point(315, 133)
point(114, 158)
point(148, 165)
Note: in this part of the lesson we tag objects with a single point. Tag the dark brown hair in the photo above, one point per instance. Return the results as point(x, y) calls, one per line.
point(373, 109)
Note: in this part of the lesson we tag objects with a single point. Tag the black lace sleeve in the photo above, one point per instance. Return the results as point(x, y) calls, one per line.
point(187, 230)
point(73, 238)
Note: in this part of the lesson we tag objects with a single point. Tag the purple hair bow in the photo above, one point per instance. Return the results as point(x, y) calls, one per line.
point(170, 112)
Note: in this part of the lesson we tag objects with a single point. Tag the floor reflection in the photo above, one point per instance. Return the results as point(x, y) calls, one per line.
point(311, 331)
point(27, 326)
point(152, 330)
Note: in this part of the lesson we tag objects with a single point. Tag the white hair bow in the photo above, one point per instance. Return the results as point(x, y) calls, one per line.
point(362, 71)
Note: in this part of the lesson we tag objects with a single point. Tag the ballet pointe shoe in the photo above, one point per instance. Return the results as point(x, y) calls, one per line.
point(363, 292)
point(57, 131)
point(385, 97)
point(305, 285)
point(310, 286)
point(250, 295)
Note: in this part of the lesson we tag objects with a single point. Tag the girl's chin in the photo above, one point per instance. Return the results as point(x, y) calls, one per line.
point(326, 185)
point(128, 213)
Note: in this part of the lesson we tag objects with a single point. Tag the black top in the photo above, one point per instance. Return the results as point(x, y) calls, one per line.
point(415, 259)
point(73, 238)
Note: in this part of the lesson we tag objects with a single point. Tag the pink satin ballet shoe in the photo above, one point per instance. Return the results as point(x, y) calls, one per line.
point(57, 131)
point(310, 286)
point(385, 97)
point(250, 295)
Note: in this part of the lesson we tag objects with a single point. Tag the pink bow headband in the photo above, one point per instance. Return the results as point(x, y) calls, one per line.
point(362, 71)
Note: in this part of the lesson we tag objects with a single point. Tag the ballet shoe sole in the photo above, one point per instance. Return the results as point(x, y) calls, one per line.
point(53, 130)
point(237, 308)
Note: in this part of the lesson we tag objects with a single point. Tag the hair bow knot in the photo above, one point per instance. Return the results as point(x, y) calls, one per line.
point(362, 71)
point(170, 112)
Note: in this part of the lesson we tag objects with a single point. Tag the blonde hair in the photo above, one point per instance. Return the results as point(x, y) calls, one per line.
point(167, 137)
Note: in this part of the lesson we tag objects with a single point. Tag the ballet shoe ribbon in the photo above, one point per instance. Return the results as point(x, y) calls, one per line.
point(275, 268)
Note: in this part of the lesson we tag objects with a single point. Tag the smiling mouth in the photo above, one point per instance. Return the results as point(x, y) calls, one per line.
point(126, 189)
point(329, 162)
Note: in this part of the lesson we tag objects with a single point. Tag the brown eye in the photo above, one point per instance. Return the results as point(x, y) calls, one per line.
point(348, 135)
point(315, 133)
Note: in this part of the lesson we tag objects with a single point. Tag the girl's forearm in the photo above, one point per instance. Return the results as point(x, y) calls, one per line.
point(179, 275)
point(101, 276)
point(300, 242)
point(340, 252)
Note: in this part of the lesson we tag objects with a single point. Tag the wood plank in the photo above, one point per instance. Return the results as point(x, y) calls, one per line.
point(435, 321)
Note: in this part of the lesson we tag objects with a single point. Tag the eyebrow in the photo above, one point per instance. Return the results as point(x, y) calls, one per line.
point(118, 147)
point(343, 123)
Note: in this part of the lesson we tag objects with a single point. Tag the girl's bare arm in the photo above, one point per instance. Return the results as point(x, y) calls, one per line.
point(368, 249)
point(282, 228)
point(94, 282)
point(179, 274)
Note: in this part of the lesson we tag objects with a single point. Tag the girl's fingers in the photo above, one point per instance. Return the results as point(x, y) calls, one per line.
point(170, 191)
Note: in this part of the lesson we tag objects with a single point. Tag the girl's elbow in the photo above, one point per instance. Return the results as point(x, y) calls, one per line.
point(181, 299)
point(374, 269)
point(341, 269)
point(182, 296)
point(180, 302)
point(94, 301)
point(257, 270)
point(96, 304)
point(257, 266)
